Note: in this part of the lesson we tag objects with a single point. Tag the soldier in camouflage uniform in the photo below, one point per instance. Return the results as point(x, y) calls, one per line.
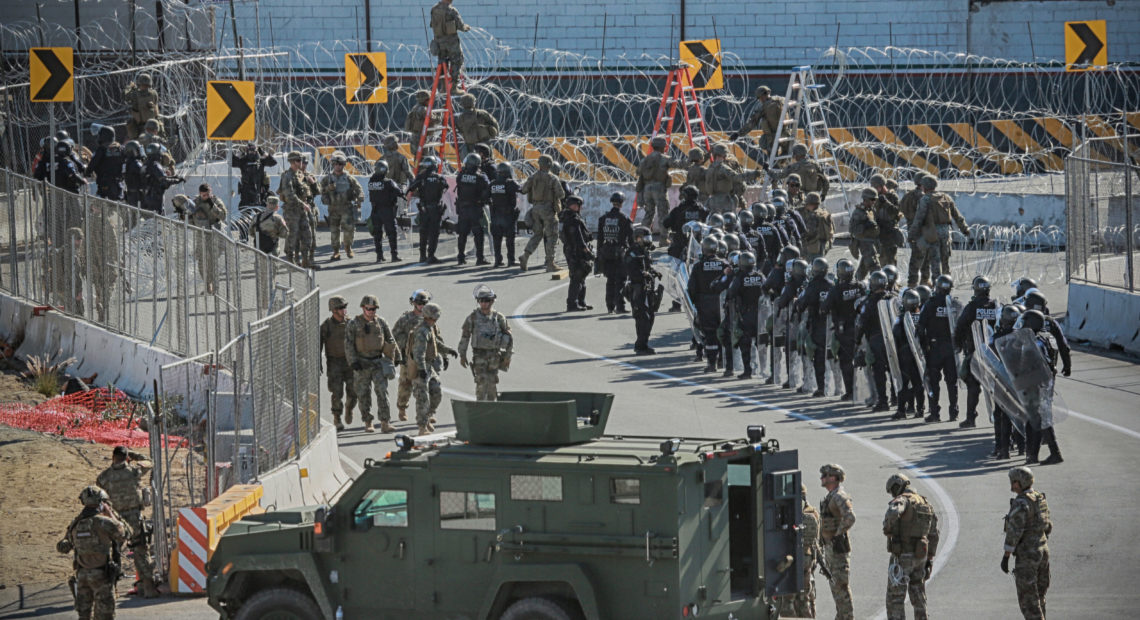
point(911, 528)
point(653, 183)
point(339, 375)
point(446, 24)
point(819, 229)
point(125, 481)
point(94, 535)
point(865, 235)
point(766, 117)
point(696, 172)
point(491, 344)
point(1027, 530)
point(908, 207)
point(811, 176)
point(724, 183)
point(105, 227)
point(545, 194)
point(371, 352)
point(269, 227)
point(208, 211)
point(837, 517)
point(399, 169)
point(802, 604)
point(887, 216)
point(310, 181)
point(427, 361)
point(142, 105)
point(929, 232)
point(342, 194)
point(296, 195)
point(414, 122)
point(402, 331)
point(475, 125)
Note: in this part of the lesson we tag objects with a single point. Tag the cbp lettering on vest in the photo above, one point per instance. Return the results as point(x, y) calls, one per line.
point(504, 213)
point(430, 187)
point(472, 192)
point(384, 194)
point(107, 164)
point(615, 237)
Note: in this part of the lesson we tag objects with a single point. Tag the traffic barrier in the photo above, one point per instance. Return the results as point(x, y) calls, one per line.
point(199, 530)
point(1104, 316)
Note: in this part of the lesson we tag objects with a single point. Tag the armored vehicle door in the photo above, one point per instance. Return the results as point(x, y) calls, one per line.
point(375, 554)
point(465, 522)
point(781, 539)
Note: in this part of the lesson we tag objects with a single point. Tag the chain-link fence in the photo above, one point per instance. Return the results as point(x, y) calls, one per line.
point(1102, 186)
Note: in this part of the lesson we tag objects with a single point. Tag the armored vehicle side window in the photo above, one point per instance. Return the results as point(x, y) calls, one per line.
point(537, 488)
point(382, 508)
point(466, 511)
point(625, 491)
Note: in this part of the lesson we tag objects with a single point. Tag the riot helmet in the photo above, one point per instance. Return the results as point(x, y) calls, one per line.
point(381, 168)
point(944, 283)
point(709, 246)
point(981, 287)
point(747, 261)
point(924, 293)
point(878, 281)
point(911, 302)
point(715, 220)
point(730, 224)
point(746, 219)
point(690, 192)
point(819, 267)
point(799, 268)
point(845, 269)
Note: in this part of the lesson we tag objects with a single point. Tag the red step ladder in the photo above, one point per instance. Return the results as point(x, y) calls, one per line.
point(439, 135)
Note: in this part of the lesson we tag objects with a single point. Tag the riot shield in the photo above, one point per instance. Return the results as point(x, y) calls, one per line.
point(1030, 374)
point(675, 279)
point(919, 356)
point(953, 311)
point(832, 357)
point(886, 324)
point(994, 377)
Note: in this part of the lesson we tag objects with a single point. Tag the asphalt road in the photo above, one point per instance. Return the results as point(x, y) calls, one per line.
point(1095, 522)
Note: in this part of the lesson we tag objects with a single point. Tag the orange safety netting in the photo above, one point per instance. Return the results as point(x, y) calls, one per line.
point(101, 415)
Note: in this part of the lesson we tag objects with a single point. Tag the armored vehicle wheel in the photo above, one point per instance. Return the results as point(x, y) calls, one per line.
point(279, 604)
point(538, 608)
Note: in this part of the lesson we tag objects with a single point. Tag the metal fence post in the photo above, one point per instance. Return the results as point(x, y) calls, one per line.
point(13, 270)
point(253, 404)
point(212, 429)
point(296, 380)
point(1129, 232)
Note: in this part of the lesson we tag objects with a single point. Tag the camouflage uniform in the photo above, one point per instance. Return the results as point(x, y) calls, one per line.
point(820, 230)
point(696, 172)
point(399, 170)
point(908, 206)
point(812, 178)
point(545, 194)
point(369, 350)
point(92, 536)
point(491, 346)
point(338, 373)
point(865, 240)
point(766, 116)
point(1027, 530)
point(446, 24)
point(402, 331)
point(206, 214)
point(270, 223)
point(427, 354)
point(653, 182)
point(887, 216)
point(295, 194)
point(837, 517)
point(802, 604)
point(929, 232)
point(142, 106)
point(342, 195)
point(724, 183)
point(475, 125)
point(310, 181)
point(105, 227)
point(911, 528)
point(414, 122)
point(124, 482)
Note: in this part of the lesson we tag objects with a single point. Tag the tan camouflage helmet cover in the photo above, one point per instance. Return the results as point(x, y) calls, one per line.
point(432, 311)
point(369, 300)
point(336, 302)
point(832, 469)
point(1023, 475)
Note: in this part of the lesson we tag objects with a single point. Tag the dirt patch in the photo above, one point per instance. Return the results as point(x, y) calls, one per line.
point(13, 387)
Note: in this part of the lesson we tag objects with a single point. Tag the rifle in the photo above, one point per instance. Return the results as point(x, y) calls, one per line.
point(823, 568)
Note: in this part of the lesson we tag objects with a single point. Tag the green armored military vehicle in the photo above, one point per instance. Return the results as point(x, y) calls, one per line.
point(530, 512)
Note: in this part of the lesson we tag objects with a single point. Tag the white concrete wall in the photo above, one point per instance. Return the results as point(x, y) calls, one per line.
point(1103, 316)
point(311, 479)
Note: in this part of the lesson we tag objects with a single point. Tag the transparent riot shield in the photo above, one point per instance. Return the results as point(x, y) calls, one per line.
point(886, 323)
point(675, 278)
point(994, 377)
point(912, 340)
point(764, 336)
point(832, 357)
point(1030, 374)
point(953, 311)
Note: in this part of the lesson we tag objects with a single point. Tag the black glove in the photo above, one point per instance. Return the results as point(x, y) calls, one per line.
point(841, 544)
point(1067, 370)
point(445, 363)
point(357, 365)
point(929, 569)
point(423, 374)
point(1005, 564)
point(764, 165)
point(452, 353)
point(734, 135)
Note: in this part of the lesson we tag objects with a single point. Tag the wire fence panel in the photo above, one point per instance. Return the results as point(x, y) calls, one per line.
point(1102, 187)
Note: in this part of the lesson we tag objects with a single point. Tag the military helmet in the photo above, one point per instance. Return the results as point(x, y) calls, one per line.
point(432, 311)
point(892, 184)
point(892, 274)
point(897, 483)
point(92, 496)
point(429, 163)
point(924, 293)
point(642, 233)
point(544, 162)
point(981, 286)
point(878, 281)
point(272, 200)
point(573, 199)
point(390, 140)
point(845, 269)
point(763, 90)
point(832, 469)
point(503, 170)
point(151, 124)
point(1022, 475)
point(878, 180)
point(800, 268)
point(719, 149)
point(799, 151)
point(617, 198)
point(180, 201)
point(944, 283)
point(144, 79)
point(294, 156)
point(1032, 319)
point(106, 135)
point(789, 252)
point(819, 267)
point(48, 143)
point(369, 300)
point(793, 178)
point(1022, 286)
point(747, 261)
point(658, 142)
point(467, 101)
point(337, 302)
point(338, 158)
point(422, 95)
point(709, 245)
point(133, 148)
point(555, 168)
point(715, 220)
point(1009, 314)
point(928, 182)
point(419, 296)
point(730, 221)
point(1035, 300)
point(733, 242)
point(746, 219)
point(812, 198)
point(911, 300)
point(696, 154)
point(482, 292)
point(869, 193)
point(690, 192)
point(381, 168)
point(472, 160)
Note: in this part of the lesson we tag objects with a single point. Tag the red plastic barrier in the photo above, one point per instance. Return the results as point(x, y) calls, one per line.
point(100, 415)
